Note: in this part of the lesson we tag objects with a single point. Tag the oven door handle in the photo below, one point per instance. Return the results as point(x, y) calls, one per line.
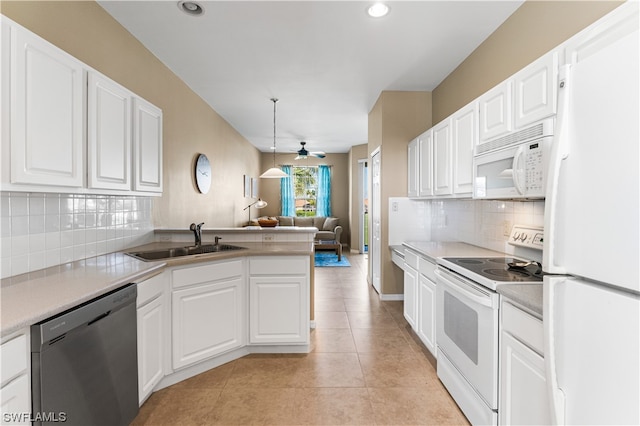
point(465, 289)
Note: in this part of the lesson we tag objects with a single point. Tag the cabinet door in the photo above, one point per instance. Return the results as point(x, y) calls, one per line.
point(523, 392)
point(278, 309)
point(207, 320)
point(536, 90)
point(412, 168)
point(425, 164)
point(109, 134)
point(410, 292)
point(147, 143)
point(150, 347)
point(47, 104)
point(426, 315)
point(465, 138)
point(442, 158)
point(15, 401)
point(496, 114)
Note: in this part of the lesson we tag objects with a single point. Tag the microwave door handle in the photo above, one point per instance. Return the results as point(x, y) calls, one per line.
point(518, 170)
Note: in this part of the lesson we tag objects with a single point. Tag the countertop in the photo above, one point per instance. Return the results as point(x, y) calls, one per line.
point(528, 296)
point(30, 298)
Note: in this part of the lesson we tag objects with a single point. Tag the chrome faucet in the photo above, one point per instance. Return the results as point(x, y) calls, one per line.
point(217, 239)
point(197, 231)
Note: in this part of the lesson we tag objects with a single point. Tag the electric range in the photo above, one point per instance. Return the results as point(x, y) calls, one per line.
point(492, 271)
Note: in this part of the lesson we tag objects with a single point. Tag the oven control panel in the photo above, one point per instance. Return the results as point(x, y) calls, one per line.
point(527, 236)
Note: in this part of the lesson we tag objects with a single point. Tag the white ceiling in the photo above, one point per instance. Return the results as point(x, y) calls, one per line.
point(326, 61)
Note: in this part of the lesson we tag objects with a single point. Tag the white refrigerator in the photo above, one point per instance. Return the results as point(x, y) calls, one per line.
point(592, 233)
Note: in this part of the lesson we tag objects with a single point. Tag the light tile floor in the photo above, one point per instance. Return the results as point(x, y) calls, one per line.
point(365, 367)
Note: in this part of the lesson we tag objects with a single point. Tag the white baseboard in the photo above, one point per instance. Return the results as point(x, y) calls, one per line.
point(391, 297)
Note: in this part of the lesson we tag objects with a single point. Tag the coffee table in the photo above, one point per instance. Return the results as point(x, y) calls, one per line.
point(329, 245)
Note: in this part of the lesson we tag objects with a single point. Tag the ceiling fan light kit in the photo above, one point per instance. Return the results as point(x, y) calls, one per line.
point(274, 172)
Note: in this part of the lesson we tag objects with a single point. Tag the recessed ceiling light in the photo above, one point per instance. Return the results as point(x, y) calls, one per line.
point(378, 10)
point(190, 8)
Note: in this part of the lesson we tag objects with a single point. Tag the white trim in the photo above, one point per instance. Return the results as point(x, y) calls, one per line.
point(391, 297)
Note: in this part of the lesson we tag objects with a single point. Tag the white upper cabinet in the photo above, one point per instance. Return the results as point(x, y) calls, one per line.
point(442, 172)
point(465, 138)
point(47, 105)
point(413, 168)
point(536, 90)
point(425, 164)
point(147, 145)
point(496, 113)
point(66, 127)
point(109, 134)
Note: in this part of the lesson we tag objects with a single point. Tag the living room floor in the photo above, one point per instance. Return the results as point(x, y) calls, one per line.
point(365, 367)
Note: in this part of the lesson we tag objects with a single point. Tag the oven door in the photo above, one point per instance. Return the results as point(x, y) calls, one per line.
point(467, 331)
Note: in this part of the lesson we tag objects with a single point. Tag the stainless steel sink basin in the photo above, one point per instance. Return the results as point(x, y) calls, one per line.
point(183, 251)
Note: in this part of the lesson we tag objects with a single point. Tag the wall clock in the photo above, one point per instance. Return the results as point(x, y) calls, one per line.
point(203, 173)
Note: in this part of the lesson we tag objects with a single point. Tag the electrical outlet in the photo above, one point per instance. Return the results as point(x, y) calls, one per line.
point(394, 206)
point(506, 228)
point(267, 237)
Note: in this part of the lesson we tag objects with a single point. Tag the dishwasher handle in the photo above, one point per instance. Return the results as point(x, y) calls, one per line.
point(84, 315)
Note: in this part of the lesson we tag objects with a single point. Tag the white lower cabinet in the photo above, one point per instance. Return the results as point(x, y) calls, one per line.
point(279, 300)
point(410, 287)
point(426, 310)
point(208, 311)
point(523, 392)
point(15, 390)
point(152, 337)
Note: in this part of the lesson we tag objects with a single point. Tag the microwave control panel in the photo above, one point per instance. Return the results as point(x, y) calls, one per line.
point(535, 167)
point(527, 236)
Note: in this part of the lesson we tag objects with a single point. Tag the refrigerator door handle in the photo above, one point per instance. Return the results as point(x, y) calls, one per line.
point(555, 394)
point(559, 152)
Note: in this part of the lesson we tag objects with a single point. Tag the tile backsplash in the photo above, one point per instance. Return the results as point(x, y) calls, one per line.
point(40, 230)
point(482, 223)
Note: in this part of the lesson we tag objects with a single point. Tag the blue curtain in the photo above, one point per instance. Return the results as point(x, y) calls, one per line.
point(323, 206)
point(287, 194)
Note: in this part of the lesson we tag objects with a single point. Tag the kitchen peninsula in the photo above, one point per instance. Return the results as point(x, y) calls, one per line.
point(195, 312)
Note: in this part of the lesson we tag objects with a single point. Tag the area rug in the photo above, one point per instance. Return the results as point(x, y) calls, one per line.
point(330, 258)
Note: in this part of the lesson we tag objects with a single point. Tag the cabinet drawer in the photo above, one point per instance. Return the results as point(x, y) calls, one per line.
point(397, 259)
point(525, 327)
point(280, 265)
point(13, 355)
point(411, 259)
point(206, 273)
point(427, 268)
point(150, 289)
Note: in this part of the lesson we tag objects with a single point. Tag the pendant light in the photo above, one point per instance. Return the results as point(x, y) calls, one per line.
point(274, 172)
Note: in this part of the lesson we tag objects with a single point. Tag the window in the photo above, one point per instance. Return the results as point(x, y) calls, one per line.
point(305, 184)
point(307, 192)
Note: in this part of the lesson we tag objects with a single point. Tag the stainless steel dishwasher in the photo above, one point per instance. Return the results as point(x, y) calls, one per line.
point(84, 363)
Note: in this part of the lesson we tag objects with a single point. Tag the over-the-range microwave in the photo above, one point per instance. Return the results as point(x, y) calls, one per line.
point(514, 166)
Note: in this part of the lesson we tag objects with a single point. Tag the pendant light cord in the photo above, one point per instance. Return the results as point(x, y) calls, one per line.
point(274, 130)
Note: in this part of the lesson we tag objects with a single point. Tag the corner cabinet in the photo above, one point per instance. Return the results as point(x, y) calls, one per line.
point(147, 146)
point(413, 168)
point(420, 166)
point(279, 300)
point(208, 311)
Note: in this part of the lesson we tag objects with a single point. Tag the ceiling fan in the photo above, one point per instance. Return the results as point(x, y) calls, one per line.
point(303, 153)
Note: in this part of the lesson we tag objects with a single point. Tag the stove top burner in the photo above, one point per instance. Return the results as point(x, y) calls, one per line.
point(496, 269)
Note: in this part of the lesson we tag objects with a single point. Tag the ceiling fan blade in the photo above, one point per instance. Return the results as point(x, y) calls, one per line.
point(319, 154)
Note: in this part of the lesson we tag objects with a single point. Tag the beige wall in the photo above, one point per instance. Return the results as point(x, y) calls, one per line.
point(395, 119)
point(190, 126)
point(356, 154)
point(530, 32)
point(270, 188)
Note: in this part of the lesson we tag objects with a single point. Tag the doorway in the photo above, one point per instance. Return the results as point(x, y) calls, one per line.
point(363, 206)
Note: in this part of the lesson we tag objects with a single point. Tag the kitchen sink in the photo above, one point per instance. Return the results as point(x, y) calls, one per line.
point(183, 251)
